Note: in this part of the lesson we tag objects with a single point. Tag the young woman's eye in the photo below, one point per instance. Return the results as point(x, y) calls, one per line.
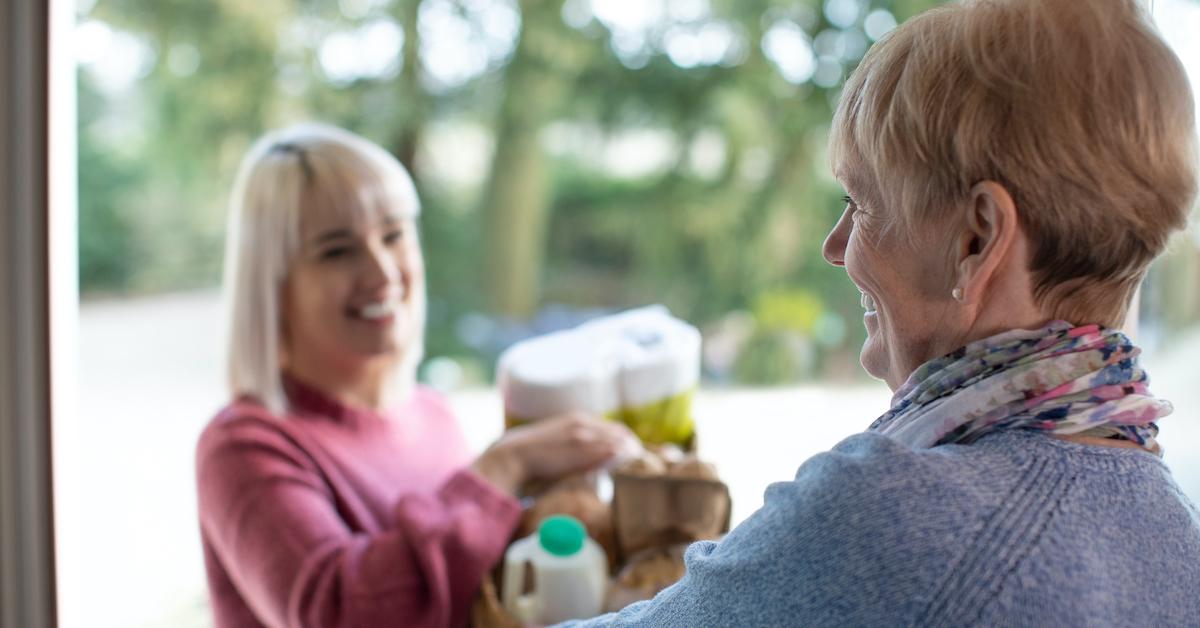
point(393, 236)
point(335, 252)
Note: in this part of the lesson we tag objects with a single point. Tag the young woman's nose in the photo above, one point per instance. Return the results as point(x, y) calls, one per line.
point(382, 268)
point(834, 248)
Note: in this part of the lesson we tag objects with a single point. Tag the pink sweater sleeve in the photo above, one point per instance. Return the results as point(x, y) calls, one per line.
point(274, 524)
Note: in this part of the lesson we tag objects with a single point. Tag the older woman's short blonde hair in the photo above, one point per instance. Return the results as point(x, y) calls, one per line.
point(283, 174)
point(1076, 106)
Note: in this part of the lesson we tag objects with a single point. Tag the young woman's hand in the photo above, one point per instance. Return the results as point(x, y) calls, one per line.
point(551, 448)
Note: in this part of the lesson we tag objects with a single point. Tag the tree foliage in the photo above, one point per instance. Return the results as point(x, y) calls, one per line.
point(574, 157)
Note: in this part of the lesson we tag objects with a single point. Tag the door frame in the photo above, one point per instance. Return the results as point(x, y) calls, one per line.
point(37, 196)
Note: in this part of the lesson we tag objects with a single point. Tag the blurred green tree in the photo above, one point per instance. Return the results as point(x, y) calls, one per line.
point(588, 153)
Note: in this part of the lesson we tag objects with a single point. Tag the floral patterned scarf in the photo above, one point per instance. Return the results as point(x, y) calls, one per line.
point(1060, 379)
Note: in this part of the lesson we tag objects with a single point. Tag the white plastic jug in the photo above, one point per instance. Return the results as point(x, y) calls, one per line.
point(570, 573)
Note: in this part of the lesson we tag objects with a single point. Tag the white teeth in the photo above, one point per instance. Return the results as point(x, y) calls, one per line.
point(376, 310)
point(867, 302)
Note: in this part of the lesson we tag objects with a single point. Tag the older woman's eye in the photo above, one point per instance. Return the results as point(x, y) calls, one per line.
point(850, 205)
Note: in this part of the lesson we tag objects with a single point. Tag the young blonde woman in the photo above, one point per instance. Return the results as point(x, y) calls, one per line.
point(1012, 167)
point(333, 491)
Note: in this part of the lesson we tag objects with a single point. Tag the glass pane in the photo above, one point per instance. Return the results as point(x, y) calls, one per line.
point(674, 161)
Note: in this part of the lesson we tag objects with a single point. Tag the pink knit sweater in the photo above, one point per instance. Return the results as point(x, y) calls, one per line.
point(334, 516)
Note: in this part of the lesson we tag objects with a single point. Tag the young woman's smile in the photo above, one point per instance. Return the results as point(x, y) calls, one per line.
point(352, 296)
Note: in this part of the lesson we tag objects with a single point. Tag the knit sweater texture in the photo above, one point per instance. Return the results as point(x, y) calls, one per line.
point(1017, 529)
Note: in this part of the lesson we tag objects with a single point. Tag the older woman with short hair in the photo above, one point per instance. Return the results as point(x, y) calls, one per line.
point(1012, 168)
point(334, 491)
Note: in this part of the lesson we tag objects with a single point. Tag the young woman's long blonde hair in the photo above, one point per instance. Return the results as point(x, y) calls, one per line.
point(283, 173)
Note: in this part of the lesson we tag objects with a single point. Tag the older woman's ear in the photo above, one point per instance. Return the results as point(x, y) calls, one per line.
point(989, 247)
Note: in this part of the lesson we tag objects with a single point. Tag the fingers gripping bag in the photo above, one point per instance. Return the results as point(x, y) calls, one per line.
point(640, 367)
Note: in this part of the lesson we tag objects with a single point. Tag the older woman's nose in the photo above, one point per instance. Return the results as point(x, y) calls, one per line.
point(834, 248)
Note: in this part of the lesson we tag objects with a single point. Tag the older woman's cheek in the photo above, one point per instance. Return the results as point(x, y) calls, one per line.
point(875, 356)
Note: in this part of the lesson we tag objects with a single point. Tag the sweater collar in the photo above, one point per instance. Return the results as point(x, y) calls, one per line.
point(305, 399)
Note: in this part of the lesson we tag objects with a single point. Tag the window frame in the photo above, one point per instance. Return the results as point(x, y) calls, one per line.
point(37, 270)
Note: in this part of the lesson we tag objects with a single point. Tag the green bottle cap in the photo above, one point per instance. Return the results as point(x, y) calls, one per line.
point(561, 535)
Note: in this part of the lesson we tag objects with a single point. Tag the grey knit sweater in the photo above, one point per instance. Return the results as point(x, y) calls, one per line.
point(1018, 529)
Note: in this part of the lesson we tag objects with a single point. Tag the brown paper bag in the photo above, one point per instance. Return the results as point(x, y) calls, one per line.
point(644, 575)
point(649, 514)
point(487, 612)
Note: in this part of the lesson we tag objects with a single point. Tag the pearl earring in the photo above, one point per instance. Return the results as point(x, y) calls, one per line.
point(957, 293)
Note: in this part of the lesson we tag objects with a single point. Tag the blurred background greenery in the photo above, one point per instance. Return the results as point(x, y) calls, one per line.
point(573, 157)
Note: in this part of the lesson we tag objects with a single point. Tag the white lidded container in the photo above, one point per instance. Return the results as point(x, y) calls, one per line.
point(569, 569)
point(658, 355)
point(558, 373)
point(639, 366)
